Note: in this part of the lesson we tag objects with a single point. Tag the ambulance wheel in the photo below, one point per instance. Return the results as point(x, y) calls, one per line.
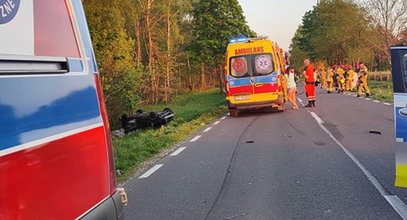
point(234, 112)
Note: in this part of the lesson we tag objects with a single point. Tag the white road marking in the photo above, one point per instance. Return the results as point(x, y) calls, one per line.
point(399, 206)
point(375, 101)
point(368, 99)
point(319, 120)
point(355, 95)
point(386, 103)
point(151, 171)
point(178, 151)
point(228, 114)
point(195, 138)
point(207, 129)
point(223, 118)
point(300, 101)
point(217, 122)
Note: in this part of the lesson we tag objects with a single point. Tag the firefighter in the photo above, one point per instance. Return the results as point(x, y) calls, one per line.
point(363, 78)
point(330, 80)
point(349, 78)
point(335, 67)
point(340, 78)
point(322, 76)
point(310, 77)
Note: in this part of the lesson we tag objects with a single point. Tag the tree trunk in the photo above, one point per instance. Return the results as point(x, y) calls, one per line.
point(153, 95)
point(138, 38)
point(191, 83)
point(221, 79)
point(203, 79)
point(168, 70)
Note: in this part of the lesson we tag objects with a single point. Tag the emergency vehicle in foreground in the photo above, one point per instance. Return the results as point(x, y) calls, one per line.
point(254, 75)
point(56, 157)
point(399, 70)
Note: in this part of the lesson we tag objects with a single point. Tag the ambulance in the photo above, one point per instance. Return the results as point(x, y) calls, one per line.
point(56, 156)
point(254, 75)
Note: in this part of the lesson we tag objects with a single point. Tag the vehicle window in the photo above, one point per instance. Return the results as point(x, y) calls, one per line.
point(239, 67)
point(54, 37)
point(263, 64)
point(31, 32)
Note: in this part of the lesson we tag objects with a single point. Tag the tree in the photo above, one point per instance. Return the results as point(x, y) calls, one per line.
point(148, 50)
point(215, 22)
point(114, 52)
point(403, 37)
point(390, 17)
point(334, 32)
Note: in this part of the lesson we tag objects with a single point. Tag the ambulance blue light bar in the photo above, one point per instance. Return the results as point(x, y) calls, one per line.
point(239, 40)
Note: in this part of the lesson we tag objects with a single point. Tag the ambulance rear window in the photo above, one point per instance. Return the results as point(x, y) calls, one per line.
point(263, 64)
point(239, 66)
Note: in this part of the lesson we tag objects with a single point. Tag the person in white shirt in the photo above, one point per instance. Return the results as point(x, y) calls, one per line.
point(292, 87)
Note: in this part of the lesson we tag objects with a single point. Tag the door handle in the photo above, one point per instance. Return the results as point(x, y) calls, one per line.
point(261, 84)
point(403, 112)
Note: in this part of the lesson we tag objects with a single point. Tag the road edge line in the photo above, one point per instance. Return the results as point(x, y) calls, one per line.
point(398, 205)
point(151, 171)
point(207, 129)
point(178, 151)
point(195, 138)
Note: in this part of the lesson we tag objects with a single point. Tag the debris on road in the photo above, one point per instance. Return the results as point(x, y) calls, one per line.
point(375, 132)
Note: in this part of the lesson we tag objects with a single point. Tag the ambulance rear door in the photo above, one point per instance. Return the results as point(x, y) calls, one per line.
point(265, 75)
point(240, 80)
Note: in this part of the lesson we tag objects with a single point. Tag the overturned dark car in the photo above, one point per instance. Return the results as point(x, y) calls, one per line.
point(143, 120)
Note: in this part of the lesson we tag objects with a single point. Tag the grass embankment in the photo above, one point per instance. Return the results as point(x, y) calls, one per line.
point(381, 90)
point(192, 112)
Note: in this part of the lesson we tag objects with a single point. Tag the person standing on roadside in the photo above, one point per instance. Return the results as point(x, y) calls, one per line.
point(292, 87)
point(309, 74)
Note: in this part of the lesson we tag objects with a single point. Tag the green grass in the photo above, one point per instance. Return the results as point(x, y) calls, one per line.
point(192, 112)
point(381, 90)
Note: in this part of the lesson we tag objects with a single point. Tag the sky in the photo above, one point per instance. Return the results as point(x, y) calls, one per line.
point(277, 19)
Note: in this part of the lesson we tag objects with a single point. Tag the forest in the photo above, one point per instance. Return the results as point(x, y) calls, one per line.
point(148, 51)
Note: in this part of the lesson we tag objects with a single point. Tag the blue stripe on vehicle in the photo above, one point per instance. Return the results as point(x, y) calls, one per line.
point(272, 78)
point(33, 108)
point(266, 79)
point(240, 82)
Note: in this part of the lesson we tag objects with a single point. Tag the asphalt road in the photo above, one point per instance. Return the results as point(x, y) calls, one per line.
point(321, 163)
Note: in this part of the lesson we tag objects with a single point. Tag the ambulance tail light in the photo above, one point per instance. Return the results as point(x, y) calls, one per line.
point(103, 111)
point(227, 88)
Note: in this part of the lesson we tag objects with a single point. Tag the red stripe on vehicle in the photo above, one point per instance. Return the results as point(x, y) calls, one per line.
point(266, 88)
point(57, 180)
point(241, 89)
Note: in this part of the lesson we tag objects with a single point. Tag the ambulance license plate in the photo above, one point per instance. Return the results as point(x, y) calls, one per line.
point(242, 98)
